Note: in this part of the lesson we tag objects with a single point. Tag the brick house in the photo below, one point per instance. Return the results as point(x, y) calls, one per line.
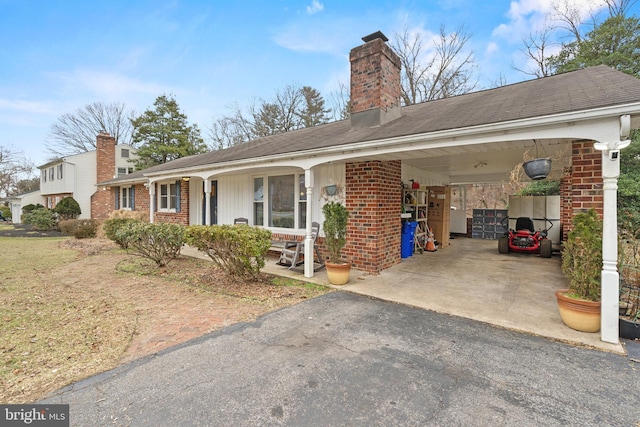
point(280, 181)
point(77, 176)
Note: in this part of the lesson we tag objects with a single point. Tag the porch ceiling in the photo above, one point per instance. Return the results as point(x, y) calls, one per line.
point(483, 162)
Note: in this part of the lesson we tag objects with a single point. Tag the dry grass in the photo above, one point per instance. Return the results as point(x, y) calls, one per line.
point(74, 308)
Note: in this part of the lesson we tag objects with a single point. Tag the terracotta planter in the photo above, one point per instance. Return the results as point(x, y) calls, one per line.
point(338, 274)
point(581, 315)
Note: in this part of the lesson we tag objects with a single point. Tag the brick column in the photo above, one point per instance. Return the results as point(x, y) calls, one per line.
point(584, 184)
point(373, 198)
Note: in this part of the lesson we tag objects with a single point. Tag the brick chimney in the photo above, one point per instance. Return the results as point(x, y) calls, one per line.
point(375, 83)
point(102, 200)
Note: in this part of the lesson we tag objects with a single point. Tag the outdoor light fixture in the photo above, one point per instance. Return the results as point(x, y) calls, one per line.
point(186, 178)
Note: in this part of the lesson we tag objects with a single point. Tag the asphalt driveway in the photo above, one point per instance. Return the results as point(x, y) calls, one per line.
point(349, 360)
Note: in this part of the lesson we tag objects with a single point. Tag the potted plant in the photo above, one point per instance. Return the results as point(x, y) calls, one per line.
point(579, 306)
point(335, 231)
point(629, 303)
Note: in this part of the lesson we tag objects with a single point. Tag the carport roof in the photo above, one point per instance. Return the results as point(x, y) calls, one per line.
point(581, 90)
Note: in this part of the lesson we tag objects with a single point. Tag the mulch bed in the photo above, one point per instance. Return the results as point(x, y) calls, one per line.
point(27, 230)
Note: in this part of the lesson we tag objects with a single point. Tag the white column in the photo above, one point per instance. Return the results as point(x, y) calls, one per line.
point(308, 240)
point(609, 292)
point(152, 200)
point(207, 202)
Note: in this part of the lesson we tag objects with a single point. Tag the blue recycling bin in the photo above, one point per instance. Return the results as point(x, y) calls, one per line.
point(406, 239)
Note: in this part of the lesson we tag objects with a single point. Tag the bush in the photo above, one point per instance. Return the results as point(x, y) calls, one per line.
point(30, 208)
point(582, 256)
point(6, 212)
point(42, 219)
point(540, 188)
point(111, 227)
point(67, 208)
point(237, 250)
point(158, 242)
point(79, 228)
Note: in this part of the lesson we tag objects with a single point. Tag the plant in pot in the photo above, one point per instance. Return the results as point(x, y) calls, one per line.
point(579, 306)
point(335, 231)
point(629, 268)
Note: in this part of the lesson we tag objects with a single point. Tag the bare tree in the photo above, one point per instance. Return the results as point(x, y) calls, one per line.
point(619, 7)
point(290, 109)
point(341, 103)
point(536, 50)
point(440, 70)
point(13, 166)
point(76, 132)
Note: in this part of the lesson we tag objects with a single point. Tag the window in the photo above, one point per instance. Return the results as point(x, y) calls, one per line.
point(59, 168)
point(44, 175)
point(124, 171)
point(168, 197)
point(258, 201)
point(124, 153)
point(51, 173)
point(127, 195)
point(284, 202)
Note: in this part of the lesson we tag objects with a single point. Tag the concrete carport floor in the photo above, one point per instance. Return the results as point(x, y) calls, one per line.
point(471, 279)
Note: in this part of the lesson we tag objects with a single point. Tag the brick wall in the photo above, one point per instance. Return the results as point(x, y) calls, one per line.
point(181, 217)
point(101, 200)
point(582, 189)
point(375, 77)
point(142, 201)
point(373, 198)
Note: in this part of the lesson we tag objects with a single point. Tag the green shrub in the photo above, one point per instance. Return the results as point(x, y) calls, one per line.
point(79, 228)
point(6, 212)
point(540, 188)
point(42, 219)
point(67, 208)
point(159, 242)
point(582, 256)
point(111, 227)
point(31, 207)
point(236, 250)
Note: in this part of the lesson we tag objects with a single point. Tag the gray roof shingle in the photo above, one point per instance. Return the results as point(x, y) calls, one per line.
point(585, 89)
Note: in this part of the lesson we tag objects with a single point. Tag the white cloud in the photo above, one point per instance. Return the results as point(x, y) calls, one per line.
point(108, 86)
point(26, 106)
point(315, 7)
point(527, 16)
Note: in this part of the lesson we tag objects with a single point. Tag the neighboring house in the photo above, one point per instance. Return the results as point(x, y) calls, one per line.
point(77, 175)
point(279, 182)
point(16, 204)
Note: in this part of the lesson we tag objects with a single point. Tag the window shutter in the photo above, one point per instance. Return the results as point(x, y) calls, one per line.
point(117, 192)
point(155, 198)
point(132, 194)
point(178, 196)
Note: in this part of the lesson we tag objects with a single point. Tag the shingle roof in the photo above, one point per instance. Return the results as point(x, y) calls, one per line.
point(585, 89)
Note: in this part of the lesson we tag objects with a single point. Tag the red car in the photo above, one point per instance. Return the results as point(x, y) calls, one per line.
point(525, 238)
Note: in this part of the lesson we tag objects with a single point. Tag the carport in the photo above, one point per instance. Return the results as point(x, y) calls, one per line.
point(471, 279)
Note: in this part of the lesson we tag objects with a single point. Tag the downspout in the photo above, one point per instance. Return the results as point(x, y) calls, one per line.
point(609, 282)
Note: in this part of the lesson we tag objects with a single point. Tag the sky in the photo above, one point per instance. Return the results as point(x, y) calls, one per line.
point(57, 56)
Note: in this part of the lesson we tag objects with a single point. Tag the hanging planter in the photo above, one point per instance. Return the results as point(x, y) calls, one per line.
point(537, 169)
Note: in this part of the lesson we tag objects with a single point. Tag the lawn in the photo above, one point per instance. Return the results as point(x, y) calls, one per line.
point(73, 308)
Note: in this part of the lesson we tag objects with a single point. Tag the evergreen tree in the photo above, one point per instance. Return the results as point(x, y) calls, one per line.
point(163, 134)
